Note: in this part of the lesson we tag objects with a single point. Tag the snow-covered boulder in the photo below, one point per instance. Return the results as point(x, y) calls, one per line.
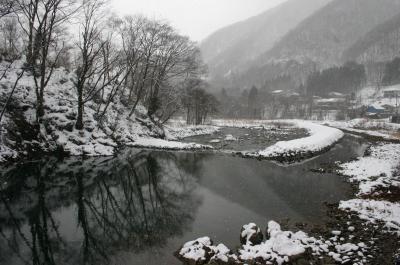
point(251, 234)
point(201, 251)
point(280, 247)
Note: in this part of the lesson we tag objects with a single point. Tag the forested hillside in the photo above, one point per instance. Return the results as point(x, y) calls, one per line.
point(380, 44)
point(330, 36)
point(108, 83)
point(324, 36)
point(233, 48)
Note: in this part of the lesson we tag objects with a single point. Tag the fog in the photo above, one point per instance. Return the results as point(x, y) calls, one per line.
point(195, 18)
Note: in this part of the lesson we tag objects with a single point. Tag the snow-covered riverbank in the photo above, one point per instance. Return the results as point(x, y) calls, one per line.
point(106, 126)
point(321, 138)
point(376, 129)
point(279, 247)
point(377, 176)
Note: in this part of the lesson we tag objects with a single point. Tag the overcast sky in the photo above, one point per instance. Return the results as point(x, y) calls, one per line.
point(195, 18)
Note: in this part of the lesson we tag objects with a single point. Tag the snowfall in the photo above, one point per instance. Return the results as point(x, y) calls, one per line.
point(373, 174)
point(116, 129)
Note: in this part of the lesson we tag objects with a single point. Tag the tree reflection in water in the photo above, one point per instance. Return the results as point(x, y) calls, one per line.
point(83, 212)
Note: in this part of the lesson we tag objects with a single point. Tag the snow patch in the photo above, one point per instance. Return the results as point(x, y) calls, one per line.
point(375, 211)
point(379, 169)
point(165, 144)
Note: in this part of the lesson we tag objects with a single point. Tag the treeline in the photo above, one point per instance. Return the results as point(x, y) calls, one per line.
point(344, 79)
point(198, 103)
point(135, 59)
point(391, 75)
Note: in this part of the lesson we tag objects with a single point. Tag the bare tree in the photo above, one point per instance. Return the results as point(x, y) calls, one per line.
point(90, 48)
point(159, 59)
point(3, 111)
point(41, 21)
point(10, 36)
point(98, 65)
point(198, 103)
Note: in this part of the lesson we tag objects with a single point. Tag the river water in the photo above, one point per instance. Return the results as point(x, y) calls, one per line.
point(140, 206)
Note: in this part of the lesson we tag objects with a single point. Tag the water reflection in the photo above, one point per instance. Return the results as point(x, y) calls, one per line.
point(139, 207)
point(75, 212)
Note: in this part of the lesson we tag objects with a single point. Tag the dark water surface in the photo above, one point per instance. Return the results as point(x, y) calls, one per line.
point(140, 206)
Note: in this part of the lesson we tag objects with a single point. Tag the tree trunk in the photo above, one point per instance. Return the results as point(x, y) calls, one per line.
point(39, 108)
point(79, 119)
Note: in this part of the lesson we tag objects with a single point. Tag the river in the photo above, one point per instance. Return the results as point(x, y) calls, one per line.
point(140, 206)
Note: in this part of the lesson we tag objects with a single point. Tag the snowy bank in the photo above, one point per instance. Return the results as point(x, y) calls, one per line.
point(243, 123)
point(176, 131)
point(379, 169)
point(106, 126)
point(376, 211)
point(379, 129)
point(375, 174)
point(321, 138)
point(167, 145)
point(280, 247)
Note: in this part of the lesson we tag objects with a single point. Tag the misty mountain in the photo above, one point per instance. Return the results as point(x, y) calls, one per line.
point(324, 36)
point(320, 40)
point(379, 45)
point(232, 48)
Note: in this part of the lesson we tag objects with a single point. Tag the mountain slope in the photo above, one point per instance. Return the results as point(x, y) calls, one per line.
point(320, 41)
point(325, 35)
point(233, 47)
point(380, 44)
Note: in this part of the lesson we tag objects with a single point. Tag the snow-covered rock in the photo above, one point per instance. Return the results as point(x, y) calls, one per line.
point(251, 234)
point(201, 251)
point(280, 247)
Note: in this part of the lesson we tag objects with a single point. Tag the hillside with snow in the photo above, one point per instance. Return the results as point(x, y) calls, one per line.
point(333, 33)
point(104, 131)
point(233, 48)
